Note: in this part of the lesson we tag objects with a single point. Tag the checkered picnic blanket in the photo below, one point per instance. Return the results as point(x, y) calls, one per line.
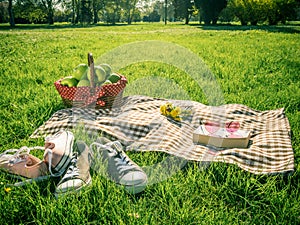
point(139, 125)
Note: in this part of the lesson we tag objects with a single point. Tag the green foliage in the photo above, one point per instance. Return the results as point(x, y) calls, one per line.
point(256, 11)
point(4, 18)
point(210, 9)
point(256, 67)
point(183, 9)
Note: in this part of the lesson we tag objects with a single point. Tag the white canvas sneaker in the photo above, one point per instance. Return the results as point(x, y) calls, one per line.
point(118, 166)
point(77, 175)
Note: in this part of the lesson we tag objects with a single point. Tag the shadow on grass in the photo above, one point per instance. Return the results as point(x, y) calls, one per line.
point(290, 28)
point(228, 27)
point(55, 26)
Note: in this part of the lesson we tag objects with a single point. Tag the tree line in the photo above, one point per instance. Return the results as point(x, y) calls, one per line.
point(128, 11)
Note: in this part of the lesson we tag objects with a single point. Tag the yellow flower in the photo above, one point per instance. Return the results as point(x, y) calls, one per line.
point(136, 215)
point(174, 114)
point(169, 105)
point(178, 110)
point(163, 109)
point(7, 189)
point(169, 110)
point(177, 118)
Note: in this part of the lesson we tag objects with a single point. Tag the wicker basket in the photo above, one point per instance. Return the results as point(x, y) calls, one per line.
point(105, 96)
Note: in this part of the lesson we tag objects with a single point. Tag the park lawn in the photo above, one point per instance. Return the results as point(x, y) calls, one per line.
point(255, 66)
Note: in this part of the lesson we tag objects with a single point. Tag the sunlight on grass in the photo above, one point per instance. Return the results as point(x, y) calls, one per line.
point(255, 66)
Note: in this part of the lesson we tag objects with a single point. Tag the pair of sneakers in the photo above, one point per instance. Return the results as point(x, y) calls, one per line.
point(58, 152)
point(59, 159)
point(102, 155)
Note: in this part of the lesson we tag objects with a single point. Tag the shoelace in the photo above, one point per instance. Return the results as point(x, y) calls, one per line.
point(50, 155)
point(21, 154)
point(73, 170)
point(123, 163)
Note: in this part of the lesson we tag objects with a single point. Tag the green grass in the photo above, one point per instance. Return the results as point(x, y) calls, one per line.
point(255, 66)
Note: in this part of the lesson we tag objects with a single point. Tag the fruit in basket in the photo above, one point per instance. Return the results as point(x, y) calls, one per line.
point(114, 78)
point(80, 71)
point(69, 81)
point(100, 73)
point(107, 68)
point(107, 82)
point(83, 83)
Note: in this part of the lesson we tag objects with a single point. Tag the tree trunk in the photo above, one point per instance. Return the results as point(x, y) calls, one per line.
point(11, 14)
point(95, 12)
point(50, 12)
point(253, 23)
point(50, 17)
point(129, 19)
point(77, 16)
point(95, 16)
point(214, 21)
point(187, 17)
point(73, 11)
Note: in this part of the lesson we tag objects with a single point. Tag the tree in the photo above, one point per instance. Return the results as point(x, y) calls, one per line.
point(112, 11)
point(29, 12)
point(86, 15)
point(49, 4)
point(4, 18)
point(38, 8)
point(11, 13)
point(280, 10)
point(210, 9)
point(97, 6)
point(129, 6)
point(255, 11)
point(183, 9)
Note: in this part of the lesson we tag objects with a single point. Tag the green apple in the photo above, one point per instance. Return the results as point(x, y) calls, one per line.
point(100, 73)
point(83, 83)
point(114, 78)
point(88, 76)
point(80, 71)
point(69, 81)
point(107, 82)
point(107, 68)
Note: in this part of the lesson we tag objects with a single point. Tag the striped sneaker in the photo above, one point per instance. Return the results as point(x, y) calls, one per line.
point(117, 165)
point(58, 152)
point(77, 175)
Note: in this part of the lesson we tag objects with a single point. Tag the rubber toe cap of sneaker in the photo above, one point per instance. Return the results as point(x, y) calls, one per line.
point(70, 185)
point(133, 178)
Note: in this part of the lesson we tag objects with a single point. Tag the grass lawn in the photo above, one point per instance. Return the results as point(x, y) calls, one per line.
point(255, 66)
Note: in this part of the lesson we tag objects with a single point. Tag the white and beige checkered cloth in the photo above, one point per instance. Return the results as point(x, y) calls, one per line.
point(139, 126)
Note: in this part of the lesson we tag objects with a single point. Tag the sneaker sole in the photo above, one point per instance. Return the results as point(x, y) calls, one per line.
point(87, 184)
point(137, 188)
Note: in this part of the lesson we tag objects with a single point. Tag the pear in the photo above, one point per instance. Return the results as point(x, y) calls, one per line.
point(80, 71)
point(114, 78)
point(83, 83)
point(69, 81)
point(107, 68)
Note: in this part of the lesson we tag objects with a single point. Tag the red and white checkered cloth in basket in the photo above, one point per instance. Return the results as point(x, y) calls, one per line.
point(89, 95)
